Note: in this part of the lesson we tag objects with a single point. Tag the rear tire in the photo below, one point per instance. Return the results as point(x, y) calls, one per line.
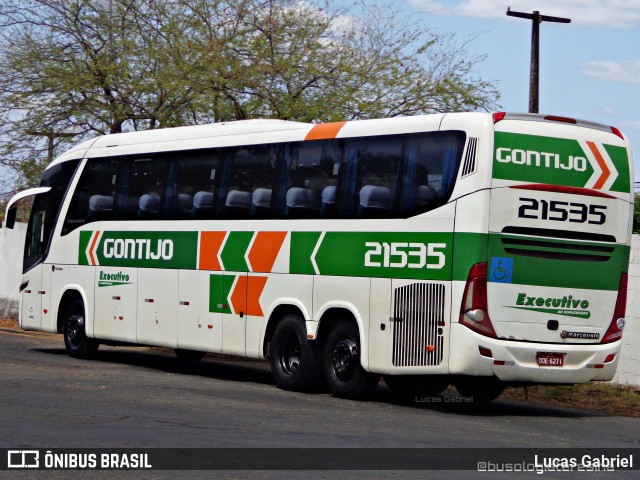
point(341, 361)
point(295, 362)
point(77, 343)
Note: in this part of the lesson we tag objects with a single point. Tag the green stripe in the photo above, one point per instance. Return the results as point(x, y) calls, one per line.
point(621, 161)
point(219, 289)
point(235, 247)
point(302, 245)
point(468, 249)
point(85, 238)
point(145, 249)
point(417, 255)
point(543, 166)
point(598, 275)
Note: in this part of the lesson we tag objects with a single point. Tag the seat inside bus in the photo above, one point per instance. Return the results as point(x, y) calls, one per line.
point(374, 200)
point(302, 202)
point(149, 206)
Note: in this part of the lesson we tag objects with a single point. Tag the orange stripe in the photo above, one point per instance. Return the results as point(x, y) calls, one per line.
point(238, 297)
point(255, 288)
point(210, 243)
point(246, 295)
point(265, 249)
point(324, 131)
point(603, 165)
point(93, 244)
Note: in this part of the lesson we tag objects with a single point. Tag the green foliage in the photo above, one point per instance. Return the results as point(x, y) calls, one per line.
point(636, 214)
point(70, 70)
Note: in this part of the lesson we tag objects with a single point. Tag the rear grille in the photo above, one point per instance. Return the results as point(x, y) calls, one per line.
point(418, 325)
point(559, 247)
point(563, 234)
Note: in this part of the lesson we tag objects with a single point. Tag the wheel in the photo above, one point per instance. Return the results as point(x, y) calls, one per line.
point(77, 343)
point(189, 355)
point(481, 389)
point(341, 361)
point(415, 385)
point(295, 362)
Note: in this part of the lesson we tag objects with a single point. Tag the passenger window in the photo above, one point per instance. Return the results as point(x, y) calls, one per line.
point(140, 192)
point(248, 178)
point(93, 198)
point(312, 180)
point(190, 186)
point(370, 177)
point(431, 167)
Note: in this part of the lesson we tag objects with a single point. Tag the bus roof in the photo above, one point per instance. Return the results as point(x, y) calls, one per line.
point(245, 132)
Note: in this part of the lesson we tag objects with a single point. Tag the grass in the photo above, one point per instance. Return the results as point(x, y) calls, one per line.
point(601, 397)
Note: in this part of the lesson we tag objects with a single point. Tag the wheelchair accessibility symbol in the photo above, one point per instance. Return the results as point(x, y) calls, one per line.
point(501, 270)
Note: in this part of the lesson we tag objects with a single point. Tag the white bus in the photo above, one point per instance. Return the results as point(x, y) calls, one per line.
point(469, 249)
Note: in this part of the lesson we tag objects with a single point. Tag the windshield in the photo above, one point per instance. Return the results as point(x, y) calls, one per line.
point(44, 212)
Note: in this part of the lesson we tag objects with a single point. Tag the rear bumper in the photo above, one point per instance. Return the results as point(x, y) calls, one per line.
point(516, 361)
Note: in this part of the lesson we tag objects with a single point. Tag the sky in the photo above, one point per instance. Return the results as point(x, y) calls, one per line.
point(589, 68)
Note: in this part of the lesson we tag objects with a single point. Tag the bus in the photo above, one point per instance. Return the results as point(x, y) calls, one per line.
point(470, 249)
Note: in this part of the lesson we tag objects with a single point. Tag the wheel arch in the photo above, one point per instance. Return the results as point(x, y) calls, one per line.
point(70, 295)
point(333, 314)
point(276, 315)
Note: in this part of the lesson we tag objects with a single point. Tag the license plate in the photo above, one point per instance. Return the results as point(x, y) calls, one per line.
point(550, 359)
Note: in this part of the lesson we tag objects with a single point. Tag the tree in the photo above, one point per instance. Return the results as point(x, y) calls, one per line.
point(72, 69)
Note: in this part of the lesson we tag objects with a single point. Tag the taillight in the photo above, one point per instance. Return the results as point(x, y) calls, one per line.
point(617, 132)
point(614, 332)
point(474, 312)
point(498, 116)
point(556, 118)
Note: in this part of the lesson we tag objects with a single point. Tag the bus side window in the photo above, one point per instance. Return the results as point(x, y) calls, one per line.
point(431, 167)
point(190, 188)
point(94, 195)
point(311, 180)
point(371, 176)
point(139, 193)
point(248, 178)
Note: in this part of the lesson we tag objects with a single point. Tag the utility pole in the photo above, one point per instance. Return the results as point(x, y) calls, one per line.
point(534, 80)
point(51, 136)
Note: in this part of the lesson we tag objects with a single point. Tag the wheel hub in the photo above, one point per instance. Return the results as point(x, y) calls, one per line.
point(345, 358)
point(290, 355)
point(75, 328)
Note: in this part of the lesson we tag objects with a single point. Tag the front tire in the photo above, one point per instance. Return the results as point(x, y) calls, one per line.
point(295, 362)
point(76, 342)
point(342, 368)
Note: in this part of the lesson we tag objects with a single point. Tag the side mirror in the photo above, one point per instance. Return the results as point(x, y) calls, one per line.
point(10, 218)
